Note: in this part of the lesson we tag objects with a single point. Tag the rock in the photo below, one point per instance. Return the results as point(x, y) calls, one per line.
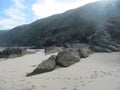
point(85, 52)
point(67, 58)
point(12, 52)
point(83, 49)
point(76, 45)
point(100, 49)
point(113, 48)
point(49, 50)
point(45, 66)
point(2, 55)
point(102, 42)
point(64, 58)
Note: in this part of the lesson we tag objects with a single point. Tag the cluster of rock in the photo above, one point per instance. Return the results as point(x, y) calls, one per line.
point(65, 58)
point(49, 50)
point(12, 52)
point(71, 54)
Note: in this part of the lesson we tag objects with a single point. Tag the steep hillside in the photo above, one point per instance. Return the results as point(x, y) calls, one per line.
point(74, 26)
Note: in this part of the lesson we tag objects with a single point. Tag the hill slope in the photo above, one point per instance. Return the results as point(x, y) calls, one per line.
point(93, 23)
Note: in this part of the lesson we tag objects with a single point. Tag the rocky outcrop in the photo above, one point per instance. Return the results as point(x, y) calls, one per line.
point(49, 50)
point(101, 41)
point(106, 48)
point(12, 52)
point(100, 49)
point(85, 52)
point(83, 49)
point(45, 66)
point(113, 48)
point(67, 58)
point(76, 45)
point(64, 58)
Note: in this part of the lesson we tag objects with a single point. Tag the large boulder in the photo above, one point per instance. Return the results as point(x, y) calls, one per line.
point(67, 58)
point(85, 52)
point(45, 66)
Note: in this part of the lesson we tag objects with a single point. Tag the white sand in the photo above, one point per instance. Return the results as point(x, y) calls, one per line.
point(100, 71)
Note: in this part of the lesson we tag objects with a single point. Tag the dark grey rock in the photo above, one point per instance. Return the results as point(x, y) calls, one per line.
point(49, 50)
point(100, 49)
point(12, 52)
point(45, 66)
point(102, 42)
point(85, 52)
point(67, 58)
point(76, 45)
point(113, 48)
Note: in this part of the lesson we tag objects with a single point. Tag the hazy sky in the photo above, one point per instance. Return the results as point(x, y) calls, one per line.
point(18, 12)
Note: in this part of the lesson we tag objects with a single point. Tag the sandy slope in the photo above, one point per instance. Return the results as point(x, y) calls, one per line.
point(100, 71)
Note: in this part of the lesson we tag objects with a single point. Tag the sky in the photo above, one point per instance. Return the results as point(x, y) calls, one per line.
point(18, 12)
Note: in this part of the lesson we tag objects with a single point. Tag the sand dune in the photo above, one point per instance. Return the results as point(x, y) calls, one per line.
point(100, 71)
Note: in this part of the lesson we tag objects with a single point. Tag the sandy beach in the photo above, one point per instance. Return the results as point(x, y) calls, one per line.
point(100, 71)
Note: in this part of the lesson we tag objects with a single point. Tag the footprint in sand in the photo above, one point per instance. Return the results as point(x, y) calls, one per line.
point(64, 88)
point(80, 77)
point(33, 87)
point(53, 78)
point(115, 76)
point(47, 78)
point(81, 81)
point(118, 71)
point(101, 71)
point(91, 77)
point(64, 77)
point(113, 71)
point(74, 88)
point(44, 86)
point(89, 81)
point(83, 85)
point(12, 78)
point(27, 88)
point(104, 73)
point(109, 73)
point(68, 78)
point(22, 80)
point(75, 78)
point(28, 82)
point(86, 77)
point(101, 76)
point(4, 81)
point(58, 77)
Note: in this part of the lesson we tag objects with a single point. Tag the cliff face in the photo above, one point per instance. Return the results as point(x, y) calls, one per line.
point(95, 23)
